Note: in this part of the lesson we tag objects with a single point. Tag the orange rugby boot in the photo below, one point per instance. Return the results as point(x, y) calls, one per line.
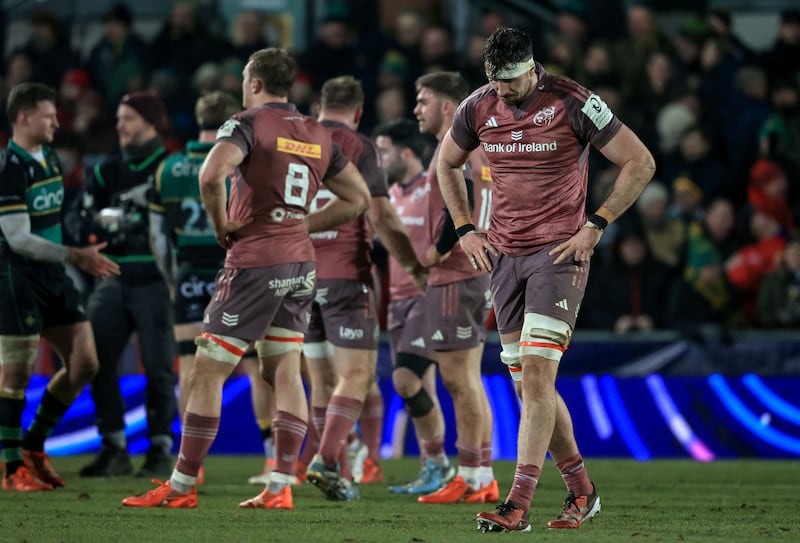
point(163, 496)
point(268, 500)
point(23, 480)
point(39, 464)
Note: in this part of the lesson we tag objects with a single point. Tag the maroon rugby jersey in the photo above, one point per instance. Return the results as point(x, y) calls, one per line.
point(287, 156)
point(457, 266)
point(411, 203)
point(538, 153)
point(343, 253)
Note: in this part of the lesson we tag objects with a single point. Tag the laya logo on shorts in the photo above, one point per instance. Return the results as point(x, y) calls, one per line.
point(300, 148)
point(351, 333)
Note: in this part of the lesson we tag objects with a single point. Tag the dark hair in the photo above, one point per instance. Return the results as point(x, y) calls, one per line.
point(791, 16)
point(27, 96)
point(506, 46)
point(46, 18)
point(449, 84)
point(703, 130)
point(342, 93)
point(404, 133)
point(275, 68)
point(214, 108)
point(119, 13)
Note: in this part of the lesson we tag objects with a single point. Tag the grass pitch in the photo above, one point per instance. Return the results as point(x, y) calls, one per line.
point(727, 501)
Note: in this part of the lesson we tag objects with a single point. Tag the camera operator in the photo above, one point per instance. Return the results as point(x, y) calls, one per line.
point(115, 211)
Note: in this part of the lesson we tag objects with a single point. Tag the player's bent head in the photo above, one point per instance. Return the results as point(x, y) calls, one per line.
point(275, 68)
point(342, 93)
point(214, 108)
point(506, 48)
point(25, 97)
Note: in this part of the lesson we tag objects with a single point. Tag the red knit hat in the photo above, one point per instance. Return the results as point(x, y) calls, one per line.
point(149, 106)
point(78, 77)
point(764, 171)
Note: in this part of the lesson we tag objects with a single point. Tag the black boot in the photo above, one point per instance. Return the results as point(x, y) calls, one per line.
point(111, 460)
point(157, 463)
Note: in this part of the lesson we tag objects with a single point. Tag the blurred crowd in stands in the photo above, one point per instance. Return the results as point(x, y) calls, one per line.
point(713, 238)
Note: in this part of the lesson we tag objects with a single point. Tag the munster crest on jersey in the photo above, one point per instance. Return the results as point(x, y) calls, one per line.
point(544, 116)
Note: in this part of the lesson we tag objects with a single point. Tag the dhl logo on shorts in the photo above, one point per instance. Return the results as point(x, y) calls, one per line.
point(310, 150)
point(486, 173)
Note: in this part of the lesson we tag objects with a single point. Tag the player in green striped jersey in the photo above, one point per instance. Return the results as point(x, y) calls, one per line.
point(39, 300)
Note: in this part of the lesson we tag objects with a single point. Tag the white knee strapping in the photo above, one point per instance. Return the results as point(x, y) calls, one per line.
point(18, 350)
point(279, 341)
point(510, 357)
point(320, 349)
point(544, 336)
point(221, 348)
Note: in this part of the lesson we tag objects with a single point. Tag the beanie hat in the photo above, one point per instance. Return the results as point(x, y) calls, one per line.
point(764, 171)
point(394, 62)
point(653, 192)
point(672, 122)
point(685, 183)
point(148, 105)
point(761, 174)
point(78, 77)
point(119, 13)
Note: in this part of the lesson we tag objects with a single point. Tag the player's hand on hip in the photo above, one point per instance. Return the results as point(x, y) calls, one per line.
point(579, 247)
point(477, 248)
point(90, 260)
point(227, 233)
point(420, 277)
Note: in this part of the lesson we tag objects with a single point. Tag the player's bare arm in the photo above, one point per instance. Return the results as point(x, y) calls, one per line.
point(454, 192)
point(352, 199)
point(223, 158)
point(394, 237)
point(637, 167)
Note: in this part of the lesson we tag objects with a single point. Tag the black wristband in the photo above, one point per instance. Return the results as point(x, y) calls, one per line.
point(465, 229)
point(598, 221)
